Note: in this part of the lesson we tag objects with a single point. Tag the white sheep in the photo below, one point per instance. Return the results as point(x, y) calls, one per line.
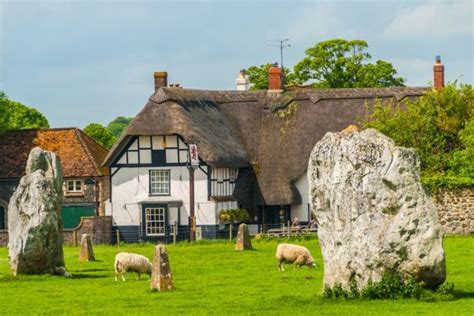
point(131, 262)
point(298, 255)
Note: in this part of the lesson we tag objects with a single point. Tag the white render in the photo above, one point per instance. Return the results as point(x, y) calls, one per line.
point(302, 211)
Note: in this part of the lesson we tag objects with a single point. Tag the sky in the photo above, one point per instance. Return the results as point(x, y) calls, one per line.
point(79, 62)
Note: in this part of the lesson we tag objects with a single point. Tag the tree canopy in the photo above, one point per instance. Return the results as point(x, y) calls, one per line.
point(101, 134)
point(335, 63)
point(258, 76)
point(440, 126)
point(117, 126)
point(15, 115)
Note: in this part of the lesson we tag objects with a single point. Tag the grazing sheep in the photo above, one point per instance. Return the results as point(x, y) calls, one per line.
point(131, 262)
point(298, 255)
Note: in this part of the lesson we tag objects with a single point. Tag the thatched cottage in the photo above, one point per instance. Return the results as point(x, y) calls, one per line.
point(253, 149)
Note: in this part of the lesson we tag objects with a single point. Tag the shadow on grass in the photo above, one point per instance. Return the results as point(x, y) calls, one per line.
point(461, 294)
point(90, 276)
point(91, 270)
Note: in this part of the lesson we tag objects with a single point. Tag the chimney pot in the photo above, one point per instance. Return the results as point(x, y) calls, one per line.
point(161, 79)
point(438, 73)
point(275, 78)
point(243, 84)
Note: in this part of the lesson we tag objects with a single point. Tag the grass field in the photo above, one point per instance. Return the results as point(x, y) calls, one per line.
point(211, 278)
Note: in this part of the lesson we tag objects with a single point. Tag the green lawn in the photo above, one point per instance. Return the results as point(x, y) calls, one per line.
point(211, 278)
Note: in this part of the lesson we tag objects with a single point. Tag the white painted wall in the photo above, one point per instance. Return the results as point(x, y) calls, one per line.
point(130, 188)
point(302, 210)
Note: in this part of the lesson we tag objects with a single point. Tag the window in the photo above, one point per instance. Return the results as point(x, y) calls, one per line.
point(159, 182)
point(155, 221)
point(74, 186)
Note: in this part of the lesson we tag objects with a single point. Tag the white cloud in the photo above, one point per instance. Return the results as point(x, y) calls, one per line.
point(434, 20)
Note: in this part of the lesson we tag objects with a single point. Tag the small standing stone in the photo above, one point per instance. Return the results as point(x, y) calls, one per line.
point(161, 278)
point(243, 238)
point(87, 253)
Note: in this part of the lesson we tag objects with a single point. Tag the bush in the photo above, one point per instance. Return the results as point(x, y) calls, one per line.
point(233, 215)
point(392, 286)
point(439, 126)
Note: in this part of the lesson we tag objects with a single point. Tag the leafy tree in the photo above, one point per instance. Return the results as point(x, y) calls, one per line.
point(117, 126)
point(339, 63)
point(440, 127)
point(14, 115)
point(102, 135)
point(258, 76)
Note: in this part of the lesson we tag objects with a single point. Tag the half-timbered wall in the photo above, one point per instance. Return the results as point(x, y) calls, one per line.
point(223, 181)
point(131, 189)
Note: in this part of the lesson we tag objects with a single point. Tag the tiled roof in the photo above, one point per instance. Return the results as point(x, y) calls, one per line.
point(80, 155)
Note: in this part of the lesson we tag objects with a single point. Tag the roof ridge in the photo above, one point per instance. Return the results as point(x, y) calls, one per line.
point(79, 133)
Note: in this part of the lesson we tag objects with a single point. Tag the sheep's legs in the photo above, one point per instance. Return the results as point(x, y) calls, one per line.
point(123, 276)
point(138, 276)
point(280, 266)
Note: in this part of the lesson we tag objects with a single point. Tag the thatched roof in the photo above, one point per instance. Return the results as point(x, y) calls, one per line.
point(273, 133)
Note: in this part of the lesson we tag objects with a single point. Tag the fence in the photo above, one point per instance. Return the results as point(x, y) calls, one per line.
point(175, 233)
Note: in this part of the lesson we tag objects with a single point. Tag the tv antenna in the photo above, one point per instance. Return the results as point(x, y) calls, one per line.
point(282, 43)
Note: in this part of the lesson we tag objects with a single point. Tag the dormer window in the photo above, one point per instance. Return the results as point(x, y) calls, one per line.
point(74, 187)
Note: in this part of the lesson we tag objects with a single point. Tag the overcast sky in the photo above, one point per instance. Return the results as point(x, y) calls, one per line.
point(90, 61)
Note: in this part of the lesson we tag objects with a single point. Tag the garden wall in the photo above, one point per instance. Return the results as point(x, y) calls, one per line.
point(98, 227)
point(456, 210)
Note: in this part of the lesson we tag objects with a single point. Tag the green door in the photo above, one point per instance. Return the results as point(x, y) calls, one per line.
point(2, 218)
point(72, 215)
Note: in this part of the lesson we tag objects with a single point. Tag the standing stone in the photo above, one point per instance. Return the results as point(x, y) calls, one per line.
point(34, 218)
point(374, 215)
point(86, 253)
point(243, 238)
point(161, 278)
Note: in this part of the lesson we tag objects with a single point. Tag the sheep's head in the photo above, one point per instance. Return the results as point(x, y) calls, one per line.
point(150, 268)
point(310, 263)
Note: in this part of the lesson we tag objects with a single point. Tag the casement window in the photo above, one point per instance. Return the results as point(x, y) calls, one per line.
point(159, 182)
point(74, 186)
point(155, 221)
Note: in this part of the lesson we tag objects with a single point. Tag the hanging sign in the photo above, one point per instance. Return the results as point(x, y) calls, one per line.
point(193, 155)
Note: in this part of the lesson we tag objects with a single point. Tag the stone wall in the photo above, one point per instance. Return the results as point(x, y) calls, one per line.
point(456, 210)
point(98, 227)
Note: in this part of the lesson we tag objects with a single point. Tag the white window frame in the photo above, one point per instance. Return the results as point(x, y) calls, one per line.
point(155, 222)
point(163, 185)
point(75, 182)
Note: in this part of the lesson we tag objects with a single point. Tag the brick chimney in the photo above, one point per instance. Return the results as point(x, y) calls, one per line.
point(275, 78)
point(438, 72)
point(161, 79)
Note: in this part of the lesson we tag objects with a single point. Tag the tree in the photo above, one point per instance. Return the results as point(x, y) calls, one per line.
point(339, 63)
point(439, 126)
point(117, 126)
point(258, 76)
point(100, 134)
point(15, 115)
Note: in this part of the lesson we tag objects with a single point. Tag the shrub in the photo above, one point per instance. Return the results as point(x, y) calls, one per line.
point(233, 215)
point(391, 286)
point(439, 126)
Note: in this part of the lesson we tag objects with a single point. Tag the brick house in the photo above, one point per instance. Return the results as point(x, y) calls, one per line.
point(85, 182)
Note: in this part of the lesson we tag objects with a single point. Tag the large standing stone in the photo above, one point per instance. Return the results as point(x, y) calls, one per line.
point(86, 252)
point(34, 217)
point(161, 278)
point(243, 238)
point(373, 213)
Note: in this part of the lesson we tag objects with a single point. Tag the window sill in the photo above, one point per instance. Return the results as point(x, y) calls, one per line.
point(159, 194)
point(74, 194)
